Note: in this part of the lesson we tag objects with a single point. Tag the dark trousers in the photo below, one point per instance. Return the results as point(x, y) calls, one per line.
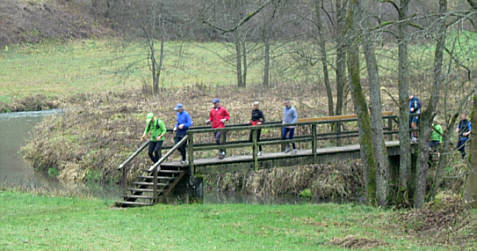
point(259, 131)
point(461, 145)
point(182, 149)
point(155, 150)
point(290, 132)
point(433, 145)
point(218, 139)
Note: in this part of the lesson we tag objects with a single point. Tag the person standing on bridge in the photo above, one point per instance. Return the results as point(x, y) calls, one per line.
point(217, 117)
point(290, 116)
point(436, 135)
point(157, 129)
point(463, 129)
point(257, 119)
point(183, 123)
point(414, 111)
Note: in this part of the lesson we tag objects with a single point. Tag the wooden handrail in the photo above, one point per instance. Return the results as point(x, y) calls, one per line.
point(159, 162)
point(132, 156)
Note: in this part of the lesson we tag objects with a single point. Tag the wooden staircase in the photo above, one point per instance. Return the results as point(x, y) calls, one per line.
point(141, 191)
point(156, 183)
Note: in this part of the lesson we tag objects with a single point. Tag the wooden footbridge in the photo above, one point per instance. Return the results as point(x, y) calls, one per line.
point(319, 140)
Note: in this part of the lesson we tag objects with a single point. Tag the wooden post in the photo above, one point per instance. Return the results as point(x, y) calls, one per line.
point(154, 185)
point(190, 152)
point(124, 181)
point(255, 149)
point(338, 132)
point(390, 127)
point(313, 143)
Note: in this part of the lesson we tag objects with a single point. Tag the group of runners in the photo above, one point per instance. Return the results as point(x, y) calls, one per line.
point(218, 116)
point(463, 129)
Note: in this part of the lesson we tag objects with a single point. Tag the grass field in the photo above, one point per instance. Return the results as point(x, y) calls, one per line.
point(33, 222)
point(61, 69)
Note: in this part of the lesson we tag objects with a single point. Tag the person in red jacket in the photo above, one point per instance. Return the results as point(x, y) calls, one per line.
point(217, 117)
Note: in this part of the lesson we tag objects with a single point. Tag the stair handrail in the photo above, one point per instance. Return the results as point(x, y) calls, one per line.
point(132, 156)
point(169, 153)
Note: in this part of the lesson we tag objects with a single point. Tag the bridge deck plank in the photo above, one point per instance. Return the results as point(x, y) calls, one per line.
point(274, 155)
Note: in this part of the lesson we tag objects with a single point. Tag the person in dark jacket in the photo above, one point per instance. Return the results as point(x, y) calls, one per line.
point(464, 129)
point(183, 123)
point(414, 109)
point(257, 119)
point(217, 117)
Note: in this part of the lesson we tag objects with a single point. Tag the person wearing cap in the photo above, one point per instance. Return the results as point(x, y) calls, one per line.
point(436, 135)
point(464, 129)
point(157, 129)
point(183, 123)
point(217, 117)
point(257, 119)
point(414, 109)
point(289, 117)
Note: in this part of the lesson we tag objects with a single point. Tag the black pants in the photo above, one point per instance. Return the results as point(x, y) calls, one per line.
point(461, 145)
point(182, 148)
point(259, 131)
point(155, 150)
point(218, 139)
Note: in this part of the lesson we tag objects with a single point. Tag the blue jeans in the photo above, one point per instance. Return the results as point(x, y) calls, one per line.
point(433, 145)
point(290, 132)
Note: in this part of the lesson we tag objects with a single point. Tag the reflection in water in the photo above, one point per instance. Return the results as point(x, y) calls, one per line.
point(15, 131)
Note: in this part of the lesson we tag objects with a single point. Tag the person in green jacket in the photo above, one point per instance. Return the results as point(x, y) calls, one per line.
point(436, 136)
point(157, 129)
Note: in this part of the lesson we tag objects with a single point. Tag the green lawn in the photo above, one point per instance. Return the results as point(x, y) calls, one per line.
point(92, 65)
point(32, 222)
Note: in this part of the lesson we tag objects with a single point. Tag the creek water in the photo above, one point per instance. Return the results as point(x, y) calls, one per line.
point(15, 172)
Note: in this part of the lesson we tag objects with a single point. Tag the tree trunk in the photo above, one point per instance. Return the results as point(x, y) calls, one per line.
point(427, 116)
point(380, 151)
point(238, 57)
point(403, 85)
point(340, 62)
point(470, 188)
point(359, 101)
point(324, 60)
point(159, 67)
point(266, 68)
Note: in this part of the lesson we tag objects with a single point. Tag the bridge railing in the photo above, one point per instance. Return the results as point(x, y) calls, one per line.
point(309, 136)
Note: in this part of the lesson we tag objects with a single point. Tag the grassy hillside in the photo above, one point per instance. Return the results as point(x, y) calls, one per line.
point(32, 222)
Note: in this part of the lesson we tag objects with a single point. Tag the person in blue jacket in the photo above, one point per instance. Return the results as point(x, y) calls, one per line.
point(414, 109)
point(183, 123)
point(463, 129)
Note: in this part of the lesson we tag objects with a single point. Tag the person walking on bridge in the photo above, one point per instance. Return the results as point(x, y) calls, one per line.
point(157, 129)
point(414, 111)
point(290, 116)
point(217, 117)
point(257, 119)
point(463, 129)
point(183, 123)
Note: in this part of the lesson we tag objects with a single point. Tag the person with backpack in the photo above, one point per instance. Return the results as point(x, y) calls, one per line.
point(436, 135)
point(463, 129)
point(257, 119)
point(414, 109)
point(290, 116)
point(157, 129)
point(217, 117)
point(183, 123)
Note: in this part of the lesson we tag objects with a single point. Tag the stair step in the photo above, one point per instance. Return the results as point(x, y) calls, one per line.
point(134, 189)
point(132, 204)
point(158, 177)
point(170, 171)
point(132, 196)
point(142, 183)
